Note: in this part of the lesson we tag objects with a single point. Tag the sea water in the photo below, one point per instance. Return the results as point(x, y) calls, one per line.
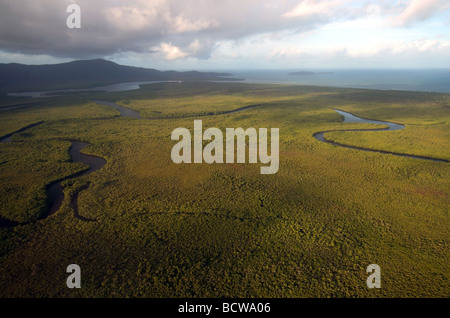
point(426, 80)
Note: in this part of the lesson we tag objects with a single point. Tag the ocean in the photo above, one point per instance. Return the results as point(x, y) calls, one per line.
point(431, 80)
point(411, 80)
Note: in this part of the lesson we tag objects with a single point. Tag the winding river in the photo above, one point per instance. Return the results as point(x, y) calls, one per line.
point(124, 111)
point(55, 189)
point(350, 118)
point(8, 138)
point(128, 112)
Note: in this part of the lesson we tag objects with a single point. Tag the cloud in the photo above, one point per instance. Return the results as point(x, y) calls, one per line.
point(183, 24)
point(395, 53)
point(172, 52)
point(170, 26)
point(310, 7)
point(420, 10)
point(174, 31)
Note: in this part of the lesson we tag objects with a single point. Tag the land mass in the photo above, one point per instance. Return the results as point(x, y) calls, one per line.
point(16, 77)
point(145, 227)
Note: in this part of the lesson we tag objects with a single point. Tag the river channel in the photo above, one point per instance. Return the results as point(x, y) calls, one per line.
point(351, 118)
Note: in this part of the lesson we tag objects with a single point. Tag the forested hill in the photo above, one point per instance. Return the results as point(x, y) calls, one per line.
point(85, 73)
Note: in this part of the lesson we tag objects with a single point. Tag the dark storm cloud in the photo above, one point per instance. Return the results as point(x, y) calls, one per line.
point(175, 28)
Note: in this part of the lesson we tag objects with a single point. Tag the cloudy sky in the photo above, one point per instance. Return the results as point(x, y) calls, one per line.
point(231, 34)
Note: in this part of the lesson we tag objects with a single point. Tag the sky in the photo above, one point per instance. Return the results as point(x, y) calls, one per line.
point(230, 34)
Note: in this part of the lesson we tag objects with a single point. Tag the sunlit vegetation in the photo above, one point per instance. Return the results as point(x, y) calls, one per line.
point(225, 230)
point(12, 119)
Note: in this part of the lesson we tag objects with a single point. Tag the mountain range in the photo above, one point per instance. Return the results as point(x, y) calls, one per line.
point(16, 77)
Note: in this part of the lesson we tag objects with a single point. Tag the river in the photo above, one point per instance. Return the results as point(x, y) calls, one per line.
point(119, 87)
point(55, 189)
point(351, 118)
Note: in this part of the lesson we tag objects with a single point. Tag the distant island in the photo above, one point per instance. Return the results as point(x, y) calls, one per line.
point(309, 73)
point(82, 74)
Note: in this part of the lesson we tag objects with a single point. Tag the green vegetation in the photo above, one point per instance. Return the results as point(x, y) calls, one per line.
point(49, 109)
point(225, 230)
